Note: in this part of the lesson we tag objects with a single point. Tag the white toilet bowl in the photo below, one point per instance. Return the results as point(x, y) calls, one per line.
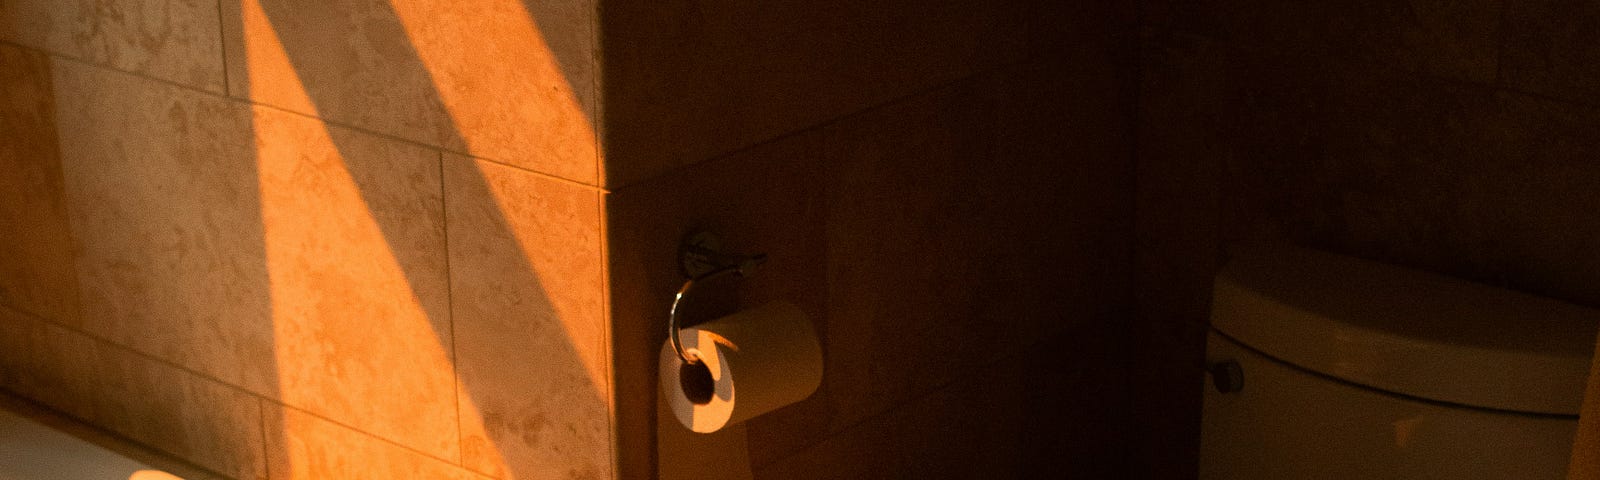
point(1328, 367)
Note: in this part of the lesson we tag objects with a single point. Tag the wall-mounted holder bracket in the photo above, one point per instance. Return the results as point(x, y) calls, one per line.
point(701, 258)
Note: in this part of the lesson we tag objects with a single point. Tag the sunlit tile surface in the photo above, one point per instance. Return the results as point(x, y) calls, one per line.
point(162, 192)
point(354, 235)
point(531, 342)
point(482, 76)
point(302, 446)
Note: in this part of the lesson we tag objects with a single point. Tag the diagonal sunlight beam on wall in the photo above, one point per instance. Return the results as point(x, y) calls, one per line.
point(355, 340)
point(496, 69)
point(512, 99)
point(531, 346)
point(508, 95)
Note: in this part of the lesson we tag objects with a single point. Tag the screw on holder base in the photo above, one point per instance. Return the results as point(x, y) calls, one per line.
point(701, 260)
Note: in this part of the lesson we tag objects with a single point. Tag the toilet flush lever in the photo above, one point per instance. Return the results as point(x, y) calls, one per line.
point(701, 258)
point(1227, 376)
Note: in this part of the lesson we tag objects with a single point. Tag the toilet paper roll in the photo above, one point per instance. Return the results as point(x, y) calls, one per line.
point(751, 363)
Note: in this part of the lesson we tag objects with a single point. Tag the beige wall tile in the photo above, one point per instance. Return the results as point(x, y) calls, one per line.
point(162, 191)
point(1549, 48)
point(939, 260)
point(506, 80)
point(303, 446)
point(198, 419)
point(940, 435)
point(768, 199)
point(531, 337)
point(105, 439)
point(689, 80)
point(48, 364)
point(36, 270)
point(266, 262)
point(355, 253)
point(174, 40)
point(918, 257)
point(1453, 39)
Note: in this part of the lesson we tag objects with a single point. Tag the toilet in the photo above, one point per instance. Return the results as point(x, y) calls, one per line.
point(1321, 366)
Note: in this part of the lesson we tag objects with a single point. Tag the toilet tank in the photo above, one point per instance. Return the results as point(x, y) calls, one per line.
point(1332, 367)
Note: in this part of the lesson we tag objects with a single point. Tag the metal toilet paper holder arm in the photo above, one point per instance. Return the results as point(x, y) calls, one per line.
point(701, 258)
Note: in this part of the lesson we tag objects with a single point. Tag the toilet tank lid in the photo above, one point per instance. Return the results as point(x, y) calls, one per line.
point(1406, 331)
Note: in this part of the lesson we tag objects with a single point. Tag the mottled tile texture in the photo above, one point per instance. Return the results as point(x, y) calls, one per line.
point(505, 80)
point(154, 403)
point(531, 337)
point(198, 419)
point(36, 270)
point(173, 40)
point(48, 364)
point(162, 189)
point(314, 448)
point(355, 245)
point(292, 254)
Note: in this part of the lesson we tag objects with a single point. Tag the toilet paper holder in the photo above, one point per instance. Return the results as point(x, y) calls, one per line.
point(701, 258)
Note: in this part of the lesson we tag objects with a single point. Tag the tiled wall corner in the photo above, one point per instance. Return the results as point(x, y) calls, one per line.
point(918, 258)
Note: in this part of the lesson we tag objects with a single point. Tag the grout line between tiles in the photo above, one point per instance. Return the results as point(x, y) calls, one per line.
point(597, 122)
point(99, 430)
point(450, 311)
point(936, 389)
point(365, 433)
point(261, 414)
point(222, 44)
point(605, 315)
point(160, 361)
point(970, 77)
point(126, 349)
point(122, 349)
point(335, 123)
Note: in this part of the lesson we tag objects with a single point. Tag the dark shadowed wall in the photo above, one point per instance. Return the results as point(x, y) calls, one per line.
point(945, 188)
point(1454, 137)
